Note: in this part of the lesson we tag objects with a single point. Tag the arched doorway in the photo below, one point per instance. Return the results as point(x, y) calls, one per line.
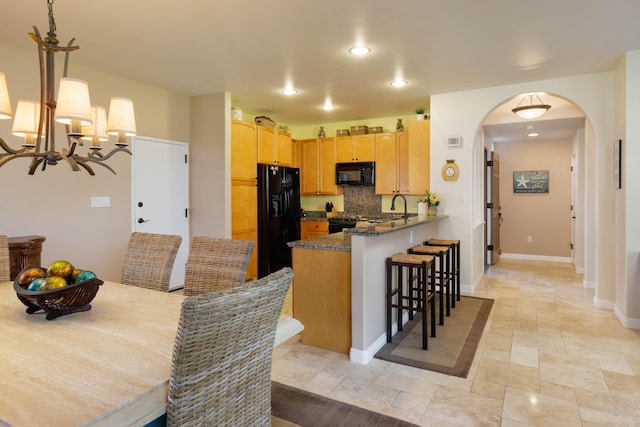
point(523, 222)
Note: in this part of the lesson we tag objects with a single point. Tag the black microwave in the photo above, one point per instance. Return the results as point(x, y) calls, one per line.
point(363, 173)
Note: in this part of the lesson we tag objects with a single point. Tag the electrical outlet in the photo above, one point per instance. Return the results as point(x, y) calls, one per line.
point(101, 202)
point(529, 239)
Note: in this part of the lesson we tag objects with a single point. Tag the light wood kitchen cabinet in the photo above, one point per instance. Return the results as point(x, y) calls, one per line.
point(244, 190)
point(356, 148)
point(296, 152)
point(274, 147)
point(403, 159)
point(244, 220)
point(243, 151)
point(322, 297)
point(392, 174)
point(319, 167)
point(311, 228)
point(419, 158)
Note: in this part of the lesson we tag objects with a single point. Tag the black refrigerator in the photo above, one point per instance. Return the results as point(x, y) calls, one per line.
point(278, 216)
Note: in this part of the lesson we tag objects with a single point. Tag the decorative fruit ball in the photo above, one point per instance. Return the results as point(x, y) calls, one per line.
point(36, 284)
point(84, 275)
point(60, 268)
point(53, 282)
point(30, 274)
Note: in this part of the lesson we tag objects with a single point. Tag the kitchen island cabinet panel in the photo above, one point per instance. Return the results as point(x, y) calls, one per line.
point(322, 297)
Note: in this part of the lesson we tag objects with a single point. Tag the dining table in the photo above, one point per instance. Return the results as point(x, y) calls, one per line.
point(108, 366)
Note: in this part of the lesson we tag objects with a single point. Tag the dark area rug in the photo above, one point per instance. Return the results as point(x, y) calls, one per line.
point(294, 407)
point(451, 352)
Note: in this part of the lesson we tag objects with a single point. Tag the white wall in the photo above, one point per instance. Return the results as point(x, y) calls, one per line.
point(462, 113)
point(210, 165)
point(627, 203)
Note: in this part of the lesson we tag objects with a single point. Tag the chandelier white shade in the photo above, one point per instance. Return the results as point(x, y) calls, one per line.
point(73, 102)
point(35, 120)
point(26, 121)
point(97, 131)
point(534, 109)
point(122, 120)
point(5, 104)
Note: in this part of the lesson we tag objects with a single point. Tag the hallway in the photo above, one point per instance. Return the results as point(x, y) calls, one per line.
point(547, 358)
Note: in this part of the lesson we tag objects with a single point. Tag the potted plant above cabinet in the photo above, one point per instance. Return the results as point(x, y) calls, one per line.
point(420, 113)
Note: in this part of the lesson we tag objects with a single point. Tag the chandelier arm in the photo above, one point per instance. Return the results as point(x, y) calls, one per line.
point(68, 49)
point(72, 162)
point(89, 169)
point(9, 150)
point(34, 164)
point(5, 158)
point(99, 157)
point(82, 161)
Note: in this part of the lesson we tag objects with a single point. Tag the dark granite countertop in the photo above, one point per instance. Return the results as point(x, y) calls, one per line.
point(342, 241)
point(332, 242)
point(393, 226)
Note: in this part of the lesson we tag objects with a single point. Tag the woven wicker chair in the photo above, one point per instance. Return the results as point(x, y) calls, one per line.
point(4, 259)
point(149, 260)
point(221, 366)
point(216, 264)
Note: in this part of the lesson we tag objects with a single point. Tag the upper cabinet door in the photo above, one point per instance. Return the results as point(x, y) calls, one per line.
point(266, 145)
point(365, 146)
point(243, 151)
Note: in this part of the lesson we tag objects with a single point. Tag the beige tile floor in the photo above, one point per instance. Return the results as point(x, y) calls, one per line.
point(547, 358)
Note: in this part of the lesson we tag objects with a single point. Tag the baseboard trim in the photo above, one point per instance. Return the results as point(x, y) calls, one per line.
point(627, 322)
point(365, 356)
point(530, 257)
point(287, 328)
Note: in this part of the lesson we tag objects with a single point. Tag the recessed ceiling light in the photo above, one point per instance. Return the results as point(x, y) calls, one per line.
point(399, 83)
point(289, 91)
point(328, 107)
point(533, 134)
point(359, 50)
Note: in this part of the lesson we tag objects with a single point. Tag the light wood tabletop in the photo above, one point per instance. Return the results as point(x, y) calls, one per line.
point(106, 366)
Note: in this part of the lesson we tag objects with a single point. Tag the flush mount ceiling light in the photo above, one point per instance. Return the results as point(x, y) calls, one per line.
point(359, 50)
point(35, 120)
point(289, 91)
point(535, 108)
point(328, 107)
point(399, 83)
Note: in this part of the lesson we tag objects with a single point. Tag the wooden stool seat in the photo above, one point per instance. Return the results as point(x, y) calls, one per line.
point(412, 295)
point(454, 270)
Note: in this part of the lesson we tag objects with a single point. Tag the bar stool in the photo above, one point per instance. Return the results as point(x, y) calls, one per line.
point(419, 290)
point(454, 270)
point(441, 280)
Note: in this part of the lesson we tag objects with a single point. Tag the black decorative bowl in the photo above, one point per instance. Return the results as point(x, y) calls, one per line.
point(59, 302)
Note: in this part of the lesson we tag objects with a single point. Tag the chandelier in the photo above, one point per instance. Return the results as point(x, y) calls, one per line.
point(34, 120)
point(535, 108)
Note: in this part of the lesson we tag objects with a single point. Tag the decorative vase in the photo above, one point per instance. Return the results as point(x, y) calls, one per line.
point(432, 211)
point(236, 113)
point(419, 116)
point(422, 210)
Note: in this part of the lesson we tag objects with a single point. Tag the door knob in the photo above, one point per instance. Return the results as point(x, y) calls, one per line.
point(140, 220)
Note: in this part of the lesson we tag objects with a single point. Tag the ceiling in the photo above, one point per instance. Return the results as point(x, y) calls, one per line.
point(254, 49)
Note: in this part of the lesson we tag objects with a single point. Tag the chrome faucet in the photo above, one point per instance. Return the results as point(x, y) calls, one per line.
point(393, 205)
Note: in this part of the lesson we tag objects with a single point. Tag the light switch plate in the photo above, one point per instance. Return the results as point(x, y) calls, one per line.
point(101, 202)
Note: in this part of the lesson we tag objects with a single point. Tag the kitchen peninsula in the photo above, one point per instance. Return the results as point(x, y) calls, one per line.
point(339, 283)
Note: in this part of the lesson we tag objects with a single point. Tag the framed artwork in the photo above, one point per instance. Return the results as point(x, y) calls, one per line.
point(617, 164)
point(531, 181)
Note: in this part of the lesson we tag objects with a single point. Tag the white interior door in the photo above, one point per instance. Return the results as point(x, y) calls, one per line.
point(160, 194)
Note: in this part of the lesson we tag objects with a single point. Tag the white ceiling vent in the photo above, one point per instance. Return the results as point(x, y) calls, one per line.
point(454, 141)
